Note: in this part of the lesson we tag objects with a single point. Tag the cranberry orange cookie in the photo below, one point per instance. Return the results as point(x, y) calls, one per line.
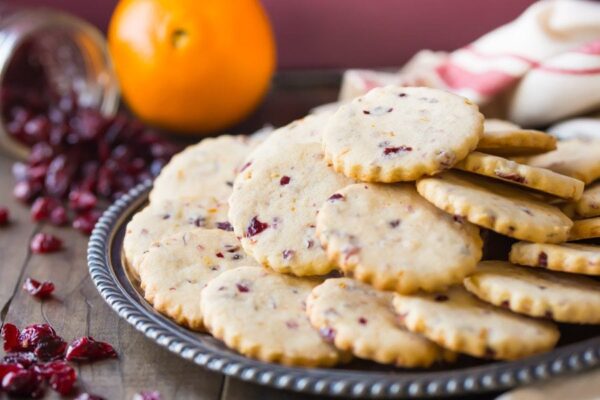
point(262, 314)
point(206, 169)
point(575, 158)
point(459, 321)
point(362, 320)
point(274, 205)
point(392, 238)
point(585, 229)
point(536, 178)
point(506, 139)
point(565, 257)
point(177, 268)
point(537, 293)
point(589, 203)
point(496, 206)
point(169, 216)
point(396, 134)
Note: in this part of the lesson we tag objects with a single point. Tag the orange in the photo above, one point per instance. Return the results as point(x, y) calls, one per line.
point(192, 65)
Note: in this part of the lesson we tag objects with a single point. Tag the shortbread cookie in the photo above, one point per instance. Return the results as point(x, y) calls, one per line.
point(392, 238)
point(536, 178)
point(206, 169)
point(177, 268)
point(494, 125)
point(537, 293)
point(459, 321)
point(400, 134)
point(496, 206)
point(589, 203)
point(362, 320)
point(262, 314)
point(275, 201)
point(585, 229)
point(169, 216)
point(501, 139)
point(566, 257)
point(575, 158)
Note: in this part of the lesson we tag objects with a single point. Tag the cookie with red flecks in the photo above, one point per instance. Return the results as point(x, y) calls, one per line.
point(392, 238)
point(262, 314)
point(507, 139)
point(566, 257)
point(164, 217)
point(459, 321)
point(588, 228)
point(362, 320)
point(276, 198)
point(176, 269)
point(397, 133)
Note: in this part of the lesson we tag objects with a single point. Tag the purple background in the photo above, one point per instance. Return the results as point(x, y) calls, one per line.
point(354, 33)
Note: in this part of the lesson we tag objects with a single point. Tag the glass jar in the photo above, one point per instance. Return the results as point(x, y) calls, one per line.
point(43, 47)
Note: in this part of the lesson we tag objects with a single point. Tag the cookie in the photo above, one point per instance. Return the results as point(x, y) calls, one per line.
point(206, 169)
point(536, 178)
point(262, 314)
point(506, 139)
point(496, 206)
point(396, 134)
point(575, 158)
point(459, 321)
point(362, 320)
point(392, 238)
point(165, 217)
point(566, 257)
point(177, 268)
point(589, 203)
point(562, 297)
point(274, 204)
point(588, 228)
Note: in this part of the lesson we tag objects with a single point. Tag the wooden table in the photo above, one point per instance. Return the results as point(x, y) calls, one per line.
point(77, 309)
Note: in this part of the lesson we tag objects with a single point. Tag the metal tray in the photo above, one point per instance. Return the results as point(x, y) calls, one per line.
point(579, 348)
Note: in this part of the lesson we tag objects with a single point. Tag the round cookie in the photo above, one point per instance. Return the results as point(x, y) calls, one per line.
point(496, 206)
point(392, 238)
point(362, 320)
point(262, 314)
point(537, 293)
point(498, 125)
point(206, 169)
point(275, 201)
point(589, 203)
point(506, 139)
point(396, 134)
point(585, 229)
point(165, 217)
point(459, 321)
point(575, 158)
point(566, 257)
point(536, 178)
point(176, 269)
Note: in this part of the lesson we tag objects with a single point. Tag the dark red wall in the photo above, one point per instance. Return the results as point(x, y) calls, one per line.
point(357, 33)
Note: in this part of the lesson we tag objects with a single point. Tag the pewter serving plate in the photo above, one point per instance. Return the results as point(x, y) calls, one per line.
point(579, 348)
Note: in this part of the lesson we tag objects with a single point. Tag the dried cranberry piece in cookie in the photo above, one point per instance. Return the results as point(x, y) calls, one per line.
point(255, 227)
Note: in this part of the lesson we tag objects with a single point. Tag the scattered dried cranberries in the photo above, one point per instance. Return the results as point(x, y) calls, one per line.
point(41, 290)
point(88, 349)
point(45, 243)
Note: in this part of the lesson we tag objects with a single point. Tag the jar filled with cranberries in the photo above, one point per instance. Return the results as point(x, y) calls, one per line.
point(59, 102)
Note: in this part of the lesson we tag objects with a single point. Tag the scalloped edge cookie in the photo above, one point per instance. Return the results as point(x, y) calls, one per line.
point(588, 228)
point(566, 257)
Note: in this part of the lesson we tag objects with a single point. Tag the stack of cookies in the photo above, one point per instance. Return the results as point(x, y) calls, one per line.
point(357, 232)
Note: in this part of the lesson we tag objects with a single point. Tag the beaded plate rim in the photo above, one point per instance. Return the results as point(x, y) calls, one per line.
point(201, 350)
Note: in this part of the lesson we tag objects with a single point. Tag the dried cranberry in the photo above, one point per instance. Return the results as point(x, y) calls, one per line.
point(85, 222)
point(10, 336)
point(441, 298)
point(511, 176)
point(45, 243)
point(41, 208)
point(87, 396)
point(147, 395)
point(61, 376)
point(40, 153)
point(336, 196)
point(220, 255)
point(362, 321)
point(255, 227)
point(242, 288)
point(5, 368)
point(59, 176)
point(88, 349)
point(37, 129)
point(24, 359)
point(31, 335)
point(58, 216)
point(50, 348)
point(4, 216)
point(82, 200)
point(284, 180)
point(328, 334)
point(41, 290)
point(24, 382)
point(543, 260)
point(393, 150)
point(26, 191)
point(226, 226)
